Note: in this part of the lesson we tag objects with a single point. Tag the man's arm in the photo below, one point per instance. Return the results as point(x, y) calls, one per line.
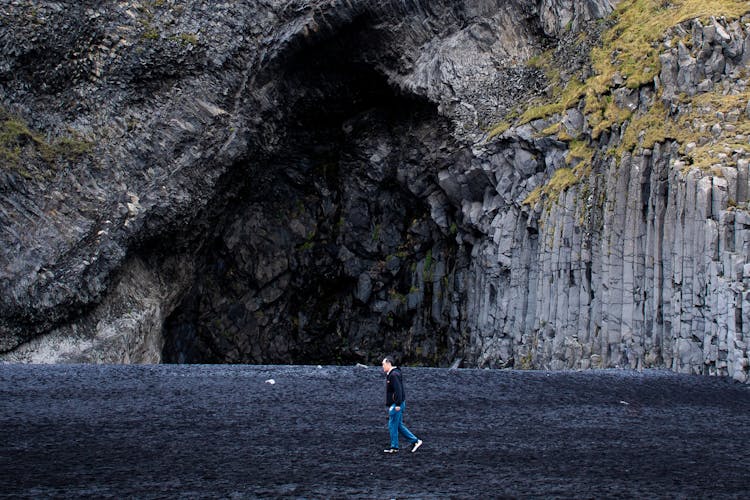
point(398, 392)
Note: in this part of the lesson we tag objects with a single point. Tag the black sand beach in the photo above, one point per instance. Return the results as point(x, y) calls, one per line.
point(172, 431)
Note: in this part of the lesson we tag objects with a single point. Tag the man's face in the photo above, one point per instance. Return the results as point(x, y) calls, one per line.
point(386, 366)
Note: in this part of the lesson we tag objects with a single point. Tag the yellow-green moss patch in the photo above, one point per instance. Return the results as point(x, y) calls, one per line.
point(498, 129)
point(561, 180)
point(629, 49)
point(19, 141)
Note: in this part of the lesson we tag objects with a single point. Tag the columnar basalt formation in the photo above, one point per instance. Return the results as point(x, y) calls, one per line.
point(313, 181)
point(643, 260)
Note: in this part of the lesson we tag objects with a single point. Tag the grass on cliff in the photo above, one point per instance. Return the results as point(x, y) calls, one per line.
point(632, 46)
point(20, 146)
point(561, 180)
point(629, 49)
point(629, 57)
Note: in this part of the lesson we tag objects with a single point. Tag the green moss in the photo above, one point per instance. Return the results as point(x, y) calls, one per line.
point(579, 156)
point(526, 361)
point(428, 265)
point(185, 39)
point(645, 130)
point(631, 46)
point(394, 295)
point(572, 93)
point(71, 148)
point(579, 152)
point(631, 49)
point(553, 129)
point(13, 135)
point(561, 180)
point(602, 113)
point(147, 8)
point(498, 129)
point(541, 107)
point(150, 34)
point(19, 141)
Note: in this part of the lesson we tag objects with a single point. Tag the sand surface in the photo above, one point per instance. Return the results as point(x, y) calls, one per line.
point(173, 431)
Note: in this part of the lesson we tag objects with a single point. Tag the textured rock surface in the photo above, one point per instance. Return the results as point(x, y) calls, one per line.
point(310, 181)
point(284, 152)
point(643, 262)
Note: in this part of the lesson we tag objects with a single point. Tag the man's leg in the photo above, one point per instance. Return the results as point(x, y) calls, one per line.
point(403, 429)
point(394, 422)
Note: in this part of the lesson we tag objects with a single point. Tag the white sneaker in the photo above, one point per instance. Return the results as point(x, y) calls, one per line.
point(416, 445)
point(391, 450)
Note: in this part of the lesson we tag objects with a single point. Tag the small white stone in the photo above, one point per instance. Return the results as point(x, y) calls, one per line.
point(270, 381)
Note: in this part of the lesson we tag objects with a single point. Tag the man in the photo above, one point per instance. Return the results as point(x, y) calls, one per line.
point(395, 400)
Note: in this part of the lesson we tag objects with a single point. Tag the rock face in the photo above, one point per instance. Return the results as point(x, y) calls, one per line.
point(283, 155)
point(644, 261)
point(311, 182)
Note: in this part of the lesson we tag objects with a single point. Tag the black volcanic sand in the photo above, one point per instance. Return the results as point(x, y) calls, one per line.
point(222, 431)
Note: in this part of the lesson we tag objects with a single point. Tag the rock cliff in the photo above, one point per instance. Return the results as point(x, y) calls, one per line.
point(324, 181)
point(632, 251)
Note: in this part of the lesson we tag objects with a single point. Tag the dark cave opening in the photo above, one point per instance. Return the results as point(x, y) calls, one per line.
point(323, 255)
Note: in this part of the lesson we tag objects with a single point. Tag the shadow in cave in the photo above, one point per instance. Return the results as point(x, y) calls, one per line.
point(327, 253)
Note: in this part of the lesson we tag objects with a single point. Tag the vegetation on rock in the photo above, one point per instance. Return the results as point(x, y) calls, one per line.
point(627, 60)
point(20, 145)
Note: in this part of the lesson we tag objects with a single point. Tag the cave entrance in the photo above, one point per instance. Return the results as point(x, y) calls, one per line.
point(327, 253)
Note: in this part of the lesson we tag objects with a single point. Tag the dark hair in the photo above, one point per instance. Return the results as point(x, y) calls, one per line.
point(388, 359)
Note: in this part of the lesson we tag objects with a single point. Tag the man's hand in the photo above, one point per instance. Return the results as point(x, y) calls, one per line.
point(398, 408)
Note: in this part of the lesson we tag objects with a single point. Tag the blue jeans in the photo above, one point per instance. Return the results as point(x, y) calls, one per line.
point(396, 425)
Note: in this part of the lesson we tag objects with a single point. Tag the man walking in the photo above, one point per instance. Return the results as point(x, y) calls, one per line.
point(395, 400)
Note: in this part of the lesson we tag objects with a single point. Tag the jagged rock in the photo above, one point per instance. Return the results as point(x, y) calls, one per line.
point(569, 15)
point(291, 149)
point(650, 277)
point(364, 288)
point(318, 186)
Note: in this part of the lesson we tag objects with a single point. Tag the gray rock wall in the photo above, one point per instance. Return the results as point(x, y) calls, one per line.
point(643, 262)
point(185, 108)
point(126, 327)
point(286, 181)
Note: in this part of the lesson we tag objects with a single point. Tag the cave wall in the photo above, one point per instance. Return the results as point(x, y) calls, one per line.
point(182, 116)
point(313, 181)
point(332, 255)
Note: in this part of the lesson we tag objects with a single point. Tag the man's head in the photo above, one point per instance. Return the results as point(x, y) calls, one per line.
point(387, 364)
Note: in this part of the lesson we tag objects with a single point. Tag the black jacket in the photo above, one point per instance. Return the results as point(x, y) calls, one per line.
point(394, 388)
